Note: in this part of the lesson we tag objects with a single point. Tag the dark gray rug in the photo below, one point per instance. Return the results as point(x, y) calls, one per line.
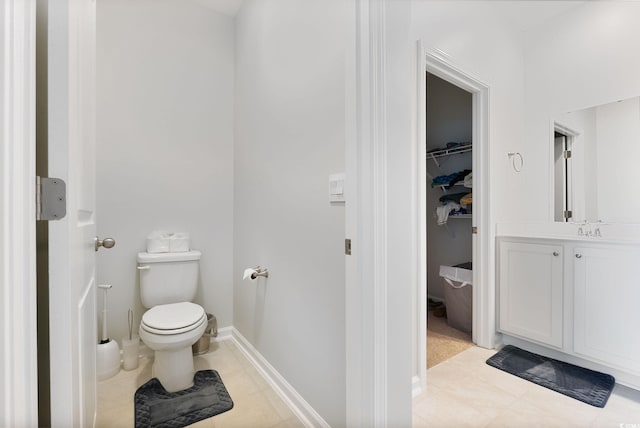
point(155, 407)
point(586, 385)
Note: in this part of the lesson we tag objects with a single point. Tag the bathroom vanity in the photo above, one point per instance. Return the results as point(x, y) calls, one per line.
point(568, 282)
point(576, 300)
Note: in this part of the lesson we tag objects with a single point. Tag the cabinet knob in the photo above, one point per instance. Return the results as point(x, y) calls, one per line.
point(555, 253)
point(578, 256)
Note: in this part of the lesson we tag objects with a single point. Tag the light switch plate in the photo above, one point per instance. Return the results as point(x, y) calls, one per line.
point(336, 187)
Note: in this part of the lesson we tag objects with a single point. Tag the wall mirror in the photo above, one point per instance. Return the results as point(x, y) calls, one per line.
point(596, 155)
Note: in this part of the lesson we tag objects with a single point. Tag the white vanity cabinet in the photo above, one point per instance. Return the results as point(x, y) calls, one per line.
point(530, 291)
point(606, 313)
point(579, 300)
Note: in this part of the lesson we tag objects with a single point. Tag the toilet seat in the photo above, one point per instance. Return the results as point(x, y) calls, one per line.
point(173, 318)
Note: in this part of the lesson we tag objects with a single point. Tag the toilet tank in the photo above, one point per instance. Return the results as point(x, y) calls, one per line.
point(168, 277)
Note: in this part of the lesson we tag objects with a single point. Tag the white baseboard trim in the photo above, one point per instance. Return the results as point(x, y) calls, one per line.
point(416, 386)
point(224, 333)
point(143, 350)
point(303, 410)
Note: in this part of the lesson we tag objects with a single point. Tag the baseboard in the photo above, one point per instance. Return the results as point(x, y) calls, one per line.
point(303, 410)
point(224, 333)
point(144, 350)
point(416, 386)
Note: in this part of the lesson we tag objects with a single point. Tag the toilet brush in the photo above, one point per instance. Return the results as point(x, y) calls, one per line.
point(130, 346)
point(108, 353)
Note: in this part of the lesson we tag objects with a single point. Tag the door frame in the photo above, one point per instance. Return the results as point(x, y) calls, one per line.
point(18, 364)
point(483, 327)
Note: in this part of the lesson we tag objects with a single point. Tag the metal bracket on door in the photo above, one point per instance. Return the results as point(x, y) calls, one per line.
point(51, 198)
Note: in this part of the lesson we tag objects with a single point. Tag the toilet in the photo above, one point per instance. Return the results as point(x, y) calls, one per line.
point(168, 284)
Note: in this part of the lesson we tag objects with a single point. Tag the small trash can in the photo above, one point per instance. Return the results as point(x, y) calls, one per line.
point(202, 345)
point(458, 295)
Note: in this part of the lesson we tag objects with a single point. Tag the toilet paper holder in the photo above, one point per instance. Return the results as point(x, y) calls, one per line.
point(256, 272)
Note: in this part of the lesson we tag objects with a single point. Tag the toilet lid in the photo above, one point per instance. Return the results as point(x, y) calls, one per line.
point(173, 316)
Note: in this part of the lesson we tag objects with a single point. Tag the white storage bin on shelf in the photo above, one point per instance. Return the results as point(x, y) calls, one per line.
point(158, 242)
point(179, 243)
point(458, 295)
point(167, 242)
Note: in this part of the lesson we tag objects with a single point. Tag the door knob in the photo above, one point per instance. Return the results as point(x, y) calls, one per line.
point(106, 243)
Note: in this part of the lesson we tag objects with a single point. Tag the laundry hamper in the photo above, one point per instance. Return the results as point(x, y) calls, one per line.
point(458, 295)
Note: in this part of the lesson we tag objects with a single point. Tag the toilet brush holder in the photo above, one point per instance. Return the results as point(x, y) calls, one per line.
point(107, 359)
point(130, 352)
point(108, 353)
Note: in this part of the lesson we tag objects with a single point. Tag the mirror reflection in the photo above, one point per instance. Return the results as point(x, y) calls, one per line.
point(596, 152)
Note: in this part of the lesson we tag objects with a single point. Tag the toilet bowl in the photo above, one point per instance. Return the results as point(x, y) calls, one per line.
point(170, 330)
point(168, 285)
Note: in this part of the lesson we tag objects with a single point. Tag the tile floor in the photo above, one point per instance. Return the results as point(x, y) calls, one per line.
point(461, 392)
point(465, 392)
point(255, 403)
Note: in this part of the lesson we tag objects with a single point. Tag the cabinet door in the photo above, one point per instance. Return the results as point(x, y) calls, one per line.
point(530, 289)
point(607, 305)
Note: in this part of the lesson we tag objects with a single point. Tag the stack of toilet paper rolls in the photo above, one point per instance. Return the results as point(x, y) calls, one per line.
point(167, 242)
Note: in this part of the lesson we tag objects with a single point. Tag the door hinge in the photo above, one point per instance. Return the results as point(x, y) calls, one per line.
point(474, 230)
point(566, 154)
point(568, 214)
point(347, 247)
point(51, 198)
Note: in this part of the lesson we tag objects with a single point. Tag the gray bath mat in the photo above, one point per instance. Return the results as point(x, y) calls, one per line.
point(586, 385)
point(155, 407)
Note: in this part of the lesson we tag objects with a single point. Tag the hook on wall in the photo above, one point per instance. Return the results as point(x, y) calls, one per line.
point(517, 161)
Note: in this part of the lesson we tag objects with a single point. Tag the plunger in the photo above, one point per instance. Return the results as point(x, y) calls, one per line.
point(108, 353)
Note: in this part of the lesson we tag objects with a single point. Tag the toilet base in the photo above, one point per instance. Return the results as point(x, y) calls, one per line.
point(174, 369)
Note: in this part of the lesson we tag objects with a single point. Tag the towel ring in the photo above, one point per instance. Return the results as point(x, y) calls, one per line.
point(517, 161)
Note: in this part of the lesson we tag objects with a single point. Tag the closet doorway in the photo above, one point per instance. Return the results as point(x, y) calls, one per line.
point(472, 227)
point(449, 145)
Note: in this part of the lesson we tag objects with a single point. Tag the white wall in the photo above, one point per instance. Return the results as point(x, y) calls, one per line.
point(582, 58)
point(165, 101)
point(479, 41)
point(401, 227)
point(290, 135)
point(448, 120)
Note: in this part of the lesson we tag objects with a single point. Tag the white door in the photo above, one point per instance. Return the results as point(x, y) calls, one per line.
point(72, 289)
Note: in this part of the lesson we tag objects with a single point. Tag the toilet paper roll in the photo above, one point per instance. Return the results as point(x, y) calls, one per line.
point(248, 272)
